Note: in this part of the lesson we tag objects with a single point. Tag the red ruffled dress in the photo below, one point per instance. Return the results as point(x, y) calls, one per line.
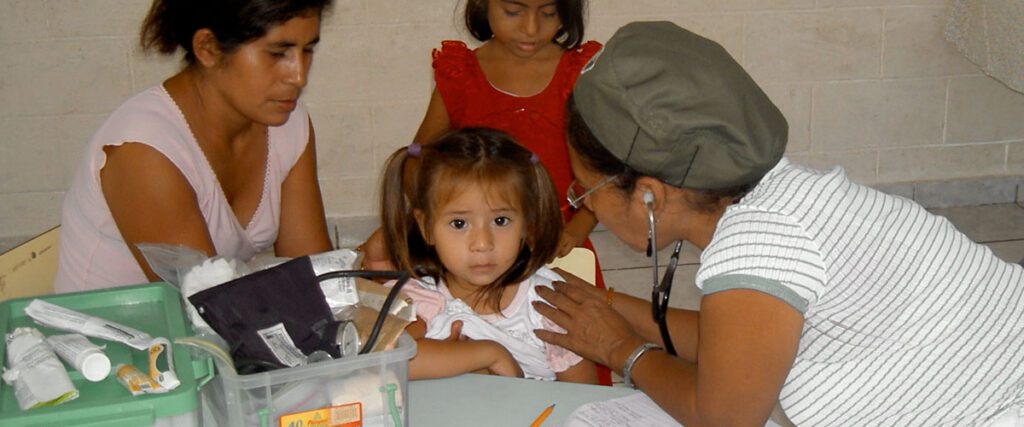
point(537, 121)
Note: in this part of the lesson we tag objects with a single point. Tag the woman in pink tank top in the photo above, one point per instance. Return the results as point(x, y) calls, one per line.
point(219, 158)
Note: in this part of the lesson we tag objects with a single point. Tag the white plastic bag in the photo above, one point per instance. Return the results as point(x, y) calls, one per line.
point(191, 271)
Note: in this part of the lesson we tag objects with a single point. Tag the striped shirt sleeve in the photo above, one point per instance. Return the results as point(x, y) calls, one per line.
point(763, 251)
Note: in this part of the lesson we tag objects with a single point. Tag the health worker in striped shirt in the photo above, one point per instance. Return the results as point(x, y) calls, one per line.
point(836, 303)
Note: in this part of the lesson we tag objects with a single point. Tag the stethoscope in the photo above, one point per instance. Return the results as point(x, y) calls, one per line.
point(661, 290)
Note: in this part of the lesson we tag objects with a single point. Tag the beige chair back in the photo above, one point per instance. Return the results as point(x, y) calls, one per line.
point(29, 269)
point(580, 262)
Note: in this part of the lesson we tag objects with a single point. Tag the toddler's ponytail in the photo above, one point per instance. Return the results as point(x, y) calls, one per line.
point(396, 218)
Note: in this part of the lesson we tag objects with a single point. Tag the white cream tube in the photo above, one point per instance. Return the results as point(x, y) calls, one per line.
point(35, 373)
point(87, 358)
point(57, 317)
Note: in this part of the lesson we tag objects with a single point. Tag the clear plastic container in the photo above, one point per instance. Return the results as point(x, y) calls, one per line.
point(368, 390)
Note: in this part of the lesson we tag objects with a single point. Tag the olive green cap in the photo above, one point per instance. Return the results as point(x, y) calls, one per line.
point(676, 106)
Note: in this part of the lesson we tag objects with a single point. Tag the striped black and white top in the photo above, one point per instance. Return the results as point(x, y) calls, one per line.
point(907, 321)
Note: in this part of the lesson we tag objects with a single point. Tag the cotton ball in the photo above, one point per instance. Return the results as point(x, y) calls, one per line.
point(209, 273)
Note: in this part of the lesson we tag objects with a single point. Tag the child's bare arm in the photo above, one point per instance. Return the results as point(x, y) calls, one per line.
point(576, 231)
point(456, 356)
point(584, 372)
point(435, 121)
point(445, 358)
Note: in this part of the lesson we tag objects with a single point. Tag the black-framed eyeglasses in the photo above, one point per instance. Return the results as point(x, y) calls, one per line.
point(577, 192)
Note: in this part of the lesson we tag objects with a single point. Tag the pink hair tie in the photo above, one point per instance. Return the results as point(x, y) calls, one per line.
point(534, 159)
point(415, 149)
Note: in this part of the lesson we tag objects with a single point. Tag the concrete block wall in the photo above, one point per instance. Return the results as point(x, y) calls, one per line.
point(867, 84)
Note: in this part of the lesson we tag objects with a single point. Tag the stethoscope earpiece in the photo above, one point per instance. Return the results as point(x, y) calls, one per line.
point(660, 293)
point(648, 198)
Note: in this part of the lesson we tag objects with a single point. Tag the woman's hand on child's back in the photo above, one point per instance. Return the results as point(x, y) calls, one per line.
point(594, 329)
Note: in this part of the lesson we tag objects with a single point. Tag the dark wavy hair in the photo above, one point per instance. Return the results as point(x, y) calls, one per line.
point(171, 24)
point(472, 155)
point(572, 13)
point(596, 158)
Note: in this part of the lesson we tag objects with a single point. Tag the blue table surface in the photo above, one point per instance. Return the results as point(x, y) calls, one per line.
point(485, 400)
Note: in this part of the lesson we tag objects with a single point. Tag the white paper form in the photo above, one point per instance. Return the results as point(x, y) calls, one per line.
point(635, 410)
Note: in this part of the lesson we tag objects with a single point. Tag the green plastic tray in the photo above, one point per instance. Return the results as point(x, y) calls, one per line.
point(153, 308)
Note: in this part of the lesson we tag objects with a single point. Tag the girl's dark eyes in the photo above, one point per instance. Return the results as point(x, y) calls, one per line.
point(460, 224)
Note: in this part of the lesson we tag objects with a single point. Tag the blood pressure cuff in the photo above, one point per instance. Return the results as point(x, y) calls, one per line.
point(272, 318)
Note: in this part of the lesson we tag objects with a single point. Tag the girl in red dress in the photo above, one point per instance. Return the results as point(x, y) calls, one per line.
point(517, 81)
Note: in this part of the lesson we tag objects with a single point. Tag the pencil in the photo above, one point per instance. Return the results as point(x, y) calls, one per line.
point(543, 416)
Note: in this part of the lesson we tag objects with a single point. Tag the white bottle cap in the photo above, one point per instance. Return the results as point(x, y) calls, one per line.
point(95, 366)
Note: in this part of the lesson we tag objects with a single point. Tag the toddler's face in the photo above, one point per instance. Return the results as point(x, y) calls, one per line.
point(477, 235)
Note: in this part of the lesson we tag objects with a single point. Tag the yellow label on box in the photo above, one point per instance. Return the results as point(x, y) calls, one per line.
point(347, 415)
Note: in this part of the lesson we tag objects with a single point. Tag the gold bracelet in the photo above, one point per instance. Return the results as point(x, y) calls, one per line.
point(609, 296)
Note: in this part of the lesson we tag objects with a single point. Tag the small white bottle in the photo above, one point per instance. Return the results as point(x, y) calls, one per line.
point(77, 351)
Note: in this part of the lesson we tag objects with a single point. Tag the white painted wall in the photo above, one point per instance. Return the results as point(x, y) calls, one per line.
point(868, 84)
